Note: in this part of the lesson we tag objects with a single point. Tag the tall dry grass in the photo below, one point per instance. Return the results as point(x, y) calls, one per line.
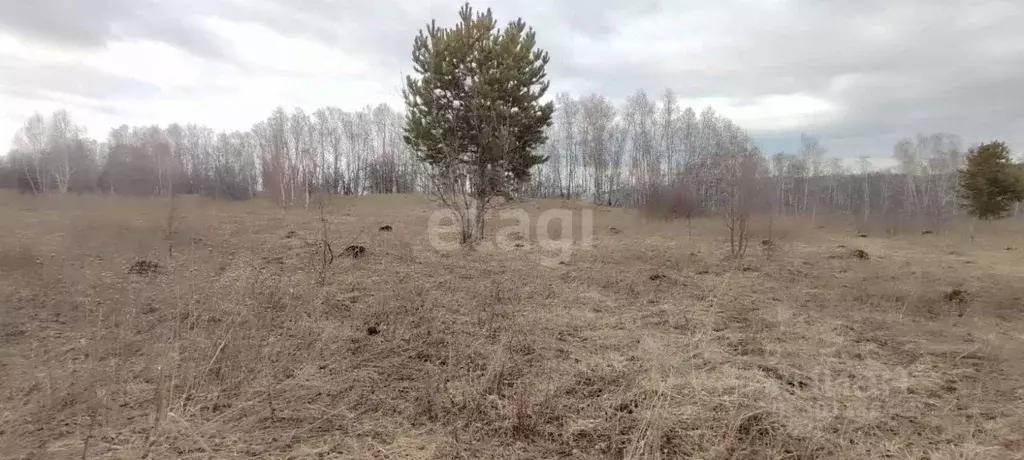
point(651, 345)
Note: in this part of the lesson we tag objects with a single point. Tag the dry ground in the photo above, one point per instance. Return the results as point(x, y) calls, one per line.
point(650, 345)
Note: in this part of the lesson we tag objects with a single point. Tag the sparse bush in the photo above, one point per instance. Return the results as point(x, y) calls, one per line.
point(173, 217)
point(768, 248)
point(325, 251)
point(741, 196)
point(673, 201)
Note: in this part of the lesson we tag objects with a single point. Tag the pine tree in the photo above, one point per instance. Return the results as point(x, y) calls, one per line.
point(990, 184)
point(474, 114)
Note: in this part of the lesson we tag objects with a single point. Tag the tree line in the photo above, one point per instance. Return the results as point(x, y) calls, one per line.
point(482, 122)
point(597, 152)
point(287, 155)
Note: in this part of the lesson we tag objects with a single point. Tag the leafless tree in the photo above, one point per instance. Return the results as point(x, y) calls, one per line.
point(31, 142)
point(812, 154)
point(598, 117)
point(741, 187)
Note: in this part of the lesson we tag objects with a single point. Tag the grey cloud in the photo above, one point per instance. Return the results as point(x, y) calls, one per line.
point(383, 30)
point(90, 24)
point(24, 77)
point(798, 53)
point(600, 18)
point(909, 66)
point(977, 110)
point(929, 74)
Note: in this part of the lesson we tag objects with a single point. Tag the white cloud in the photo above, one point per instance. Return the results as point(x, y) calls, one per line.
point(12, 46)
point(19, 109)
point(148, 61)
point(771, 112)
point(271, 70)
point(266, 49)
point(782, 112)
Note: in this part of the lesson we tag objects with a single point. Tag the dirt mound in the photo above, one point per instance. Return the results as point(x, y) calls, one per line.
point(956, 296)
point(354, 251)
point(859, 254)
point(275, 260)
point(143, 267)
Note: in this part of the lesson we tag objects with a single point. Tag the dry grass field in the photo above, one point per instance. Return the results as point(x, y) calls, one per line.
point(652, 344)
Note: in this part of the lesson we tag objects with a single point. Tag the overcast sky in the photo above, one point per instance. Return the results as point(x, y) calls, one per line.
point(858, 74)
